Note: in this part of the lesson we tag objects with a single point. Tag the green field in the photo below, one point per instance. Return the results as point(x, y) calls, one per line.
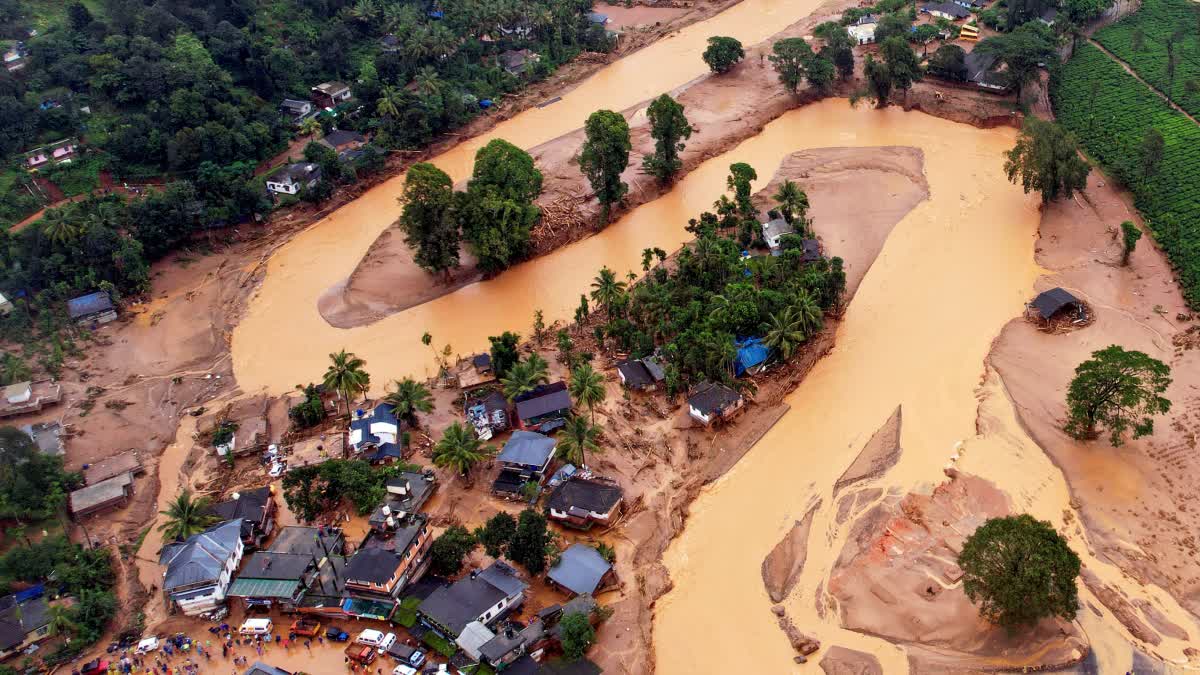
point(1109, 112)
point(1158, 20)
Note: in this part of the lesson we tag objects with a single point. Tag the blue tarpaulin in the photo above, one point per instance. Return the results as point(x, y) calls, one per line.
point(750, 353)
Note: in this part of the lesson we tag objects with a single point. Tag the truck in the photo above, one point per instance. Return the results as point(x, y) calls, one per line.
point(361, 654)
point(306, 627)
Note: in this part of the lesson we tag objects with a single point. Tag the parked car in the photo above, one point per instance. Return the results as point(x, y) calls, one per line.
point(370, 637)
point(96, 667)
point(147, 645)
point(405, 654)
point(256, 627)
point(336, 634)
point(306, 627)
point(404, 670)
point(362, 654)
point(386, 643)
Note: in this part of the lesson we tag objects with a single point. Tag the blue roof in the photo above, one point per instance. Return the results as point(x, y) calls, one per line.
point(750, 353)
point(91, 303)
point(385, 451)
point(597, 17)
point(527, 449)
point(580, 569)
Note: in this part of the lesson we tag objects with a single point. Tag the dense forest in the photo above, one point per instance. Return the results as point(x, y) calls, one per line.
point(186, 95)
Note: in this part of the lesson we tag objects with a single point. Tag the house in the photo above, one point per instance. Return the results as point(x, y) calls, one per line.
point(863, 30)
point(271, 579)
point(255, 508)
point(314, 542)
point(200, 569)
point(125, 462)
point(297, 111)
point(526, 665)
point(324, 585)
point(517, 61)
point(582, 503)
point(23, 621)
point(641, 374)
point(291, 178)
point(385, 564)
point(487, 413)
point(15, 57)
point(751, 355)
point(107, 494)
point(711, 401)
point(61, 152)
point(376, 434)
point(316, 450)
point(260, 668)
point(406, 494)
point(28, 397)
point(1051, 303)
point(92, 309)
point(483, 596)
point(969, 32)
point(389, 43)
point(971, 4)
point(597, 18)
point(981, 72)
point(946, 10)
point(524, 458)
point(581, 570)
point(544, 408)
point(479, 372)
point(341, 141)
point(510, 643)
point(1048, 17)
point(330, 94)
point(773, 229)
point(47, 436)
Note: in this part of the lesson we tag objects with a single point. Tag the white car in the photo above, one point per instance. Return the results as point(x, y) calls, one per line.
point(386, 643)
point(276, 469)
point(404, 670)
point(369, 637)
point(147, 645)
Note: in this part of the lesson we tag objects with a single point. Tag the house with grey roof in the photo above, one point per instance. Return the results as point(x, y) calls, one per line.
point(22, 623)
point(255, 508)
point(524, 458)
point(517, 61)
point(270, 579)
point(200, 568)
point(47, 436)
point(110, 493)
point(483, 596)
point(711, 401)
point(544, 408)
point(773, 230)
point(291, 178)
point(582, 503)
point(581, 570)
point(406, 494)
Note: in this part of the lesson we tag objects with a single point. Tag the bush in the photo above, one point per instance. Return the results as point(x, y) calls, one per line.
point(406, 613)
point(439, 644)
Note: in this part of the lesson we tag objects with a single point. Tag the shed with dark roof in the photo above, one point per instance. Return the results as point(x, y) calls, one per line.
point(545, 404)
point(1053, 301)
point(711, 401)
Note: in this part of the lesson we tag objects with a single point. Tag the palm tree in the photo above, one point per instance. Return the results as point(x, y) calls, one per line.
point(310, 127)
point(809, 313)
point(186, 516)
point(459, 449)
point(538, 368)
point(408, 398)
point(390, 99)
point(587, 387)
point(577, 438)
point(427, 81)
point(61, 619)
point(346, 376)
point(792, 200)
point(58, 226)
point(366, 11)
point(785, 333)
point(607, 291)
point(13, 368)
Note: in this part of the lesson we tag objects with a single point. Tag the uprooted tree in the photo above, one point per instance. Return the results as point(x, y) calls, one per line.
point(1120, 390)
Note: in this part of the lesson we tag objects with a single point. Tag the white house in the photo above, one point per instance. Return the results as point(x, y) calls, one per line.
point(863, 30)
point(773, 231)
point(481, 597)
point(711, 401)
point(200, 568)
point(288, 180)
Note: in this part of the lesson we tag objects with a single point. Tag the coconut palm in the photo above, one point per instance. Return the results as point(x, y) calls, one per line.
point(607, 290)
point(61, 619)
point(427, 81)
point(587, 387)
point(58, 226)
point(538, 368)
point(809, 313)
point(785, 333)
point(525, 376)
point(346, 376)
point(408, 398)
point(389, 101)
point(310, 127)
point(793, 202)
point(13, 368)
point(186, 516)
point(459, 449)
point(578, 438)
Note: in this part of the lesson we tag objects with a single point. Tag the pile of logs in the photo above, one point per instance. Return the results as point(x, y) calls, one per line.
point(561, 215)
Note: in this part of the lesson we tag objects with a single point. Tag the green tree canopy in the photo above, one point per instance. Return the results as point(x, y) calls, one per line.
point(577, 635)
point(669, 128)
point(1150, 152)
point(529, 543)
point(347, 376)
point(1018, 571)
point(508, 169)
point(1130, 234)
point(723, 53)
point(186, 516)
point(428, 220)
point(949, 61)
point(504, 352)
point(587, 387)
point(459, 449)
point(790, 57)
point(578, 438)
point(1046, 158)
point(1121, 390)
point(902, 63)
point(892, 24)
point(497, 211)
point(604, 156)
point(1022, 51)
point(407, 398)
point(496, 533)
point(447, 552)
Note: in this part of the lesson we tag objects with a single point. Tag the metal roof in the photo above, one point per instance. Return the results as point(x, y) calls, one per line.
point(92, 303)
point(202, 557)
point(527, 448)
point(579, 569)
point(263, 588)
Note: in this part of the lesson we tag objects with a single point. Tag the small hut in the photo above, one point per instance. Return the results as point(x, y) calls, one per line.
point(1056, 304)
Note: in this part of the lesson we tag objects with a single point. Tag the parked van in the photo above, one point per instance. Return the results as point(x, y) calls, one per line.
point(256, 627)
point(369, 637)
point(405, 654)
point(386, 643)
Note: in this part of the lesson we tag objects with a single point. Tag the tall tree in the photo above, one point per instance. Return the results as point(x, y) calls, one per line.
point(723, 53)
point(1130, 234)
point(577, 635)
point(1119, 389)
point(578, 438)
point(792, 201)
point(785, 333)
point(587, 387)
point(1046, 158)
point(496, 533)
point(1019, 571)
point(186, 516)
point(447, 552)
point(459, 449)
point(669, 128)
point(820, 73)
point(790, 57)
point(529, 542)
point(878, 83)
point(408, 397)
point(902, 63)
point(605, 155)
point(607, 291)
point(1150, 152)
point(741, 176)
point(428, 220)
point(347, 376)
point(839, 47)
point(504, 352)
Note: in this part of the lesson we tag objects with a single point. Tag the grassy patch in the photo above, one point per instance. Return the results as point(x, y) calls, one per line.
point(439, 644)
point(406, 613)
point(1110, 112)
point(79, 177)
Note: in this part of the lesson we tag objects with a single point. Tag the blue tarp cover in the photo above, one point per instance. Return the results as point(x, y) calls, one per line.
point(750, 353)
